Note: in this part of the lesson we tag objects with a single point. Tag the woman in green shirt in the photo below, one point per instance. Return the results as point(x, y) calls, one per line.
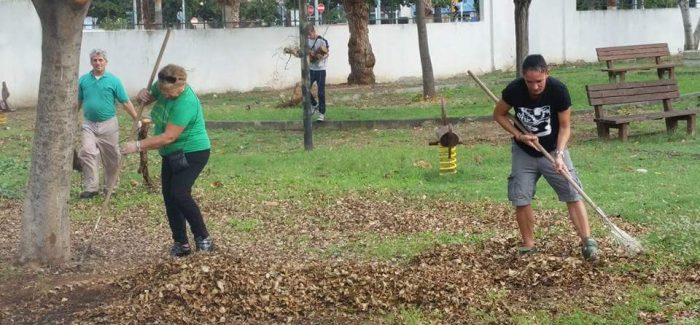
point(181, 139)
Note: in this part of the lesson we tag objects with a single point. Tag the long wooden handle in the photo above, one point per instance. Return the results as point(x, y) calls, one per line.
point(153, 74)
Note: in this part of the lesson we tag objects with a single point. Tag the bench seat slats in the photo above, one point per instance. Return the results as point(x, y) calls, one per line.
point(646, 67)
point(636, 92)
point(614, 120)
point(632, 51)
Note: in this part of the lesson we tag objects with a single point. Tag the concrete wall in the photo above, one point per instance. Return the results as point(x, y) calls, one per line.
point(244, 59)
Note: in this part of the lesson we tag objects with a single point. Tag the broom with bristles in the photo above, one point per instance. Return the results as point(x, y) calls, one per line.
point(620, 237)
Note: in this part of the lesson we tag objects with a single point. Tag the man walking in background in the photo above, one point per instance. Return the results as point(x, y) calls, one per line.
point(318, 57)
point(98, 92)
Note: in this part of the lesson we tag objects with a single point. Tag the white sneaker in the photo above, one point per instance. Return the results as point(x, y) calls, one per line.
point(321, 118)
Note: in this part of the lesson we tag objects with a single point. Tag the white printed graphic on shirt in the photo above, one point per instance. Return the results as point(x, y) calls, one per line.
point(537, 120)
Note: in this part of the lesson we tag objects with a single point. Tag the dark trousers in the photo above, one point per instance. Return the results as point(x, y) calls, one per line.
point(319, 77)
point(177, 195)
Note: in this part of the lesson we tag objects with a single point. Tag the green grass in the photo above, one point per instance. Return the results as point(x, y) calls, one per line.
point(388, 101)
point(243, 225)
point(650, 180)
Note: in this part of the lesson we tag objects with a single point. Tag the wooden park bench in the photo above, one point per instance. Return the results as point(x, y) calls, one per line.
point(664, 90)
point(610, 55)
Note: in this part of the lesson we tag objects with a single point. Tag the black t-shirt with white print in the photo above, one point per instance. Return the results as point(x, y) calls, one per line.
point(540, 116)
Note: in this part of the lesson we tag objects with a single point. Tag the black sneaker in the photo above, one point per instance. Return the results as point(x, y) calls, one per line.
point(204, 244)
point(180, 250)
point(88, 195)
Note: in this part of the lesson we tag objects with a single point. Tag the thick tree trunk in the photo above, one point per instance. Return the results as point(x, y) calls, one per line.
point(232, 13)
point(158, 5)
point(146, 15)
point(45, 234)
point(691, 38)
point(424, 50)
point(522, 41)
point(360, 55)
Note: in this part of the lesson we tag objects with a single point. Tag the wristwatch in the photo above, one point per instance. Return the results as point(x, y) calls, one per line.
point(559, 153)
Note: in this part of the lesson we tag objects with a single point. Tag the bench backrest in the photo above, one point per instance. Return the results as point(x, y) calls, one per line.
point(632, 92)
point(632, 52)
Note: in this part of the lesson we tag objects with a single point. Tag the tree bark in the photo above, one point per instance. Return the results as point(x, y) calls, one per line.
point(146, 15)
point(691, 38)
point(424, 50)
point(522, 41)
point(158, 5)
point(45, 234)
point(360, 55)
point(232, 13)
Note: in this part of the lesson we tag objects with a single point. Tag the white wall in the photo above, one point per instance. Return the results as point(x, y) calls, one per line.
point(244, 59)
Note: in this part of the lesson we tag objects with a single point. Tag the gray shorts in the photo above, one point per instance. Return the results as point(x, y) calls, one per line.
point(526, 171)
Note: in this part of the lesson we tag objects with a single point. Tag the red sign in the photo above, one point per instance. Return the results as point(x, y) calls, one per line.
point(310, 10)
point(321, 8)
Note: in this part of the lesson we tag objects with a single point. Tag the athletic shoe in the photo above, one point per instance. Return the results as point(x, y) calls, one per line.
point(180, 250)
point(321, 118)
point(204, 244)
point(525, 251)
point(589, 249)
point(88, 195)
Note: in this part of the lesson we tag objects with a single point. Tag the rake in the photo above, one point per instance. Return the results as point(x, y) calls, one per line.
point(620, 237)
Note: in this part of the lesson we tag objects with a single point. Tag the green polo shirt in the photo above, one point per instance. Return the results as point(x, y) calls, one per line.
point(184, 111)
point(99, 96)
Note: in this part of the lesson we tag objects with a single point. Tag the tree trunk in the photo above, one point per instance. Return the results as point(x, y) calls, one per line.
point(691, 38)
point(424, 49)
point(146, 14)
point(360, 55)
point(522, 42)
point(45, 234)
point(158, 5)
point(232, 13)
point(612, 4)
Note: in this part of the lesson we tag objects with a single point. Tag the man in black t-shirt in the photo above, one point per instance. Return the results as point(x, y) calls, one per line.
point(542, 105)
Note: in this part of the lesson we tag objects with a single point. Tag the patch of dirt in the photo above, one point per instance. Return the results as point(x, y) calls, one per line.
point(276, 274)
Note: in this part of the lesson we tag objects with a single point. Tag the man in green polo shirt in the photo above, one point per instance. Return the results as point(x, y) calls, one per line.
point(98, 93)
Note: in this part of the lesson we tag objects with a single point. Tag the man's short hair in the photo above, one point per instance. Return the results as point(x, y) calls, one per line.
point(98, 52)
point(534, 62)
point(309, 28)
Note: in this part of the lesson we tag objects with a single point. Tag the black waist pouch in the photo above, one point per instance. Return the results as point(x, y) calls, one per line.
point(177, 161)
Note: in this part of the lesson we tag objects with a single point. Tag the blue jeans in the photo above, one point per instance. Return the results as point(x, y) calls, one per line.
point(319, 77)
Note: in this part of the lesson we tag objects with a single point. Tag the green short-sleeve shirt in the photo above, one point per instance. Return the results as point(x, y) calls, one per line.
point(99, 96)
point(185, 111)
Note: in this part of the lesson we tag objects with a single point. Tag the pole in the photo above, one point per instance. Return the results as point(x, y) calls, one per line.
point(378, 13)
point(134, 13)
point(184, 16)
point(308, 139)
point(316, 12)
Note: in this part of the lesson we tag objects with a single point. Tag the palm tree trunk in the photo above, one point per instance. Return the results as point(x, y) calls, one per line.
point(522, 41)
point(360, 55)
point(45, 234)
point(424, 50)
